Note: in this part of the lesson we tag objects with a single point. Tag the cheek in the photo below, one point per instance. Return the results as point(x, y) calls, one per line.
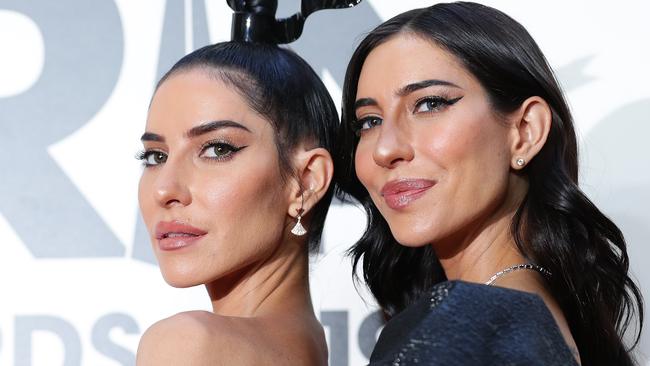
point(244, 197)
point(364, 163)
point(475, 163)
point(145, 196)
point(232, 195)
point(472, 142)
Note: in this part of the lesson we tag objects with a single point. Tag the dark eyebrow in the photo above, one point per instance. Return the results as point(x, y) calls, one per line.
point(213, 126)
point(363, 102)
point(410, 88)
point(405, 90)
point(149, 136)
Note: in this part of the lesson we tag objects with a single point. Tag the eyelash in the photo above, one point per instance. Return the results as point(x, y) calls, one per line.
point(357, 125)
point(231, 150)
point(442, 102)
point(144, 156)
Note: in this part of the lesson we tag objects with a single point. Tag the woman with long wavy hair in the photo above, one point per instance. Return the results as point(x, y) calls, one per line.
point(459, 143)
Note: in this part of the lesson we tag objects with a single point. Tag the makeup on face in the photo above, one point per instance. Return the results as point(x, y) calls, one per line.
point(211, 193)
point(175, 235)
point(430, 152)
point(400, 193)
point(436, 98)
point(218, 149)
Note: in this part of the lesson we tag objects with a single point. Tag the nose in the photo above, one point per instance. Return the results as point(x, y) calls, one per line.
point(171, 186)
point(393, 146)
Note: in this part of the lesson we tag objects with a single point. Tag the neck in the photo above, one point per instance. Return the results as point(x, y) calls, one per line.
point(278, 283)
point(488, 247)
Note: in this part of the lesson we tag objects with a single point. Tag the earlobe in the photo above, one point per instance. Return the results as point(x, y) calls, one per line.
point(530, 130)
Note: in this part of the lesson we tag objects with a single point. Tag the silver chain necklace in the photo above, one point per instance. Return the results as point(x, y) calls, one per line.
point(517, 267)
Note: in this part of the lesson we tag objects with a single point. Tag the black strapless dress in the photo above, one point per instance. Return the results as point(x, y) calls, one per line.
point(460, 323)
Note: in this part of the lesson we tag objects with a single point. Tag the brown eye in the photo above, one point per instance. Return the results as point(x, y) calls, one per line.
point(433, 104)
point(218, 150)
point(367, 123)
point(153, 158)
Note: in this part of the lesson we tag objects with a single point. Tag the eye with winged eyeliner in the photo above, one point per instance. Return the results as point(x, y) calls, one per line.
point(406, 90)
point(219, 150)
point(433, 104)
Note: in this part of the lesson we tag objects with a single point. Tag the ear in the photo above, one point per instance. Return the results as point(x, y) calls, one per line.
point(531, 124)
point(313, 172)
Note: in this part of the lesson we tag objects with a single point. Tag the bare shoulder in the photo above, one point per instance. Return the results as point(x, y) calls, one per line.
point(184, 338)
point(203, 338)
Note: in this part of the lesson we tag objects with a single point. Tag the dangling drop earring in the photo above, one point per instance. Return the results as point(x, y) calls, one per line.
point(298, 229)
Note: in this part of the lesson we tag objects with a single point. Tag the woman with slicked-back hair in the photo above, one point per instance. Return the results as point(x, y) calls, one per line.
point(234, 193)
point(480, 247)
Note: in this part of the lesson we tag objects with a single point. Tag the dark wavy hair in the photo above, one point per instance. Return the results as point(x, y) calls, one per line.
point(281, 87)
point(555, 226)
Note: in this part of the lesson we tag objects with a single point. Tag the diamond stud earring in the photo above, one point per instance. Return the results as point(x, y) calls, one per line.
point(520, 162)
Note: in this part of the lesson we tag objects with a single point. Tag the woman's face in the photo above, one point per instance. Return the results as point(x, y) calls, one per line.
point(432, 154)
point(211, 193)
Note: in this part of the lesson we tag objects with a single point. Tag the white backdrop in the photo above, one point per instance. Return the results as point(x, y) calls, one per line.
point(77, 285)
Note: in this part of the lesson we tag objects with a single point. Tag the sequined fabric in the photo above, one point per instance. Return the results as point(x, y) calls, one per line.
point(439, 293)
point(460, 323)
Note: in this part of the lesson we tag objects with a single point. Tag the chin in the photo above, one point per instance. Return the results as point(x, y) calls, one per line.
point(180, 282)
point(407, 234)
point(411, 239)
point(179, 278)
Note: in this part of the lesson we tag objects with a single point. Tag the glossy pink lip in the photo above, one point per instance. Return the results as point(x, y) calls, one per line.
point(400, 193)
point(173, 235)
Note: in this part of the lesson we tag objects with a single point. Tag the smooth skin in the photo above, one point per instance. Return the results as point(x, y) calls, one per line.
point(224, 178)
point(422, 115)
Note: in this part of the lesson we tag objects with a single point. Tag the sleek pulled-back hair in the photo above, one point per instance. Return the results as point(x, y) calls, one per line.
point(281, 87)
point(555, 226)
